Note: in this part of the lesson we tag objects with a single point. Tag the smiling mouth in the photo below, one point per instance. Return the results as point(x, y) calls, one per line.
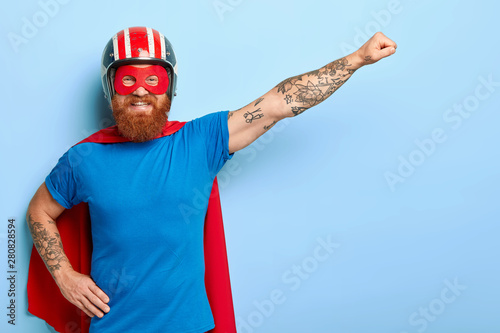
point(141, 107)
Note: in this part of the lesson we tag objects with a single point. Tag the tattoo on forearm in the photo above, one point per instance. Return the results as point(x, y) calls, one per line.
point(314, 86)
point(368, 58)
point(296, 110)
point(251, 116)
point(258, 101)
point(270, 125)
point(288, 84)
point(49, 246)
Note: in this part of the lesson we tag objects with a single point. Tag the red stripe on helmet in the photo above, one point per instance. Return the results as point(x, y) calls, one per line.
point(121, 44)
point(156, 35)
point(138, 40)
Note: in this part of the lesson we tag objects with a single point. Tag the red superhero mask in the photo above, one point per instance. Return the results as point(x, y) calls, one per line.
point(152, 78)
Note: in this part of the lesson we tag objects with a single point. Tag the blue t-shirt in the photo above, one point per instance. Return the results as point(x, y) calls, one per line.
point(147, 204)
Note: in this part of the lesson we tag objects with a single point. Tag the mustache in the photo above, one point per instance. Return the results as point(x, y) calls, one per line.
point(130, 99)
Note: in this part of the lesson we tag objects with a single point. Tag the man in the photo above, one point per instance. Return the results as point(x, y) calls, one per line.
point(134, 187)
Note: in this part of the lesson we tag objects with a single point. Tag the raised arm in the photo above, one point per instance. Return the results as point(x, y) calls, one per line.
point(296, 94)
point(78, 288)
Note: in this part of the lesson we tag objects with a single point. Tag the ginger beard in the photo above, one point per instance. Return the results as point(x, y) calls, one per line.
point(139, 126)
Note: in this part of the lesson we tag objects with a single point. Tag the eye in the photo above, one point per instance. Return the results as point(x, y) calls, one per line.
point(152, 80)
point(128, 80)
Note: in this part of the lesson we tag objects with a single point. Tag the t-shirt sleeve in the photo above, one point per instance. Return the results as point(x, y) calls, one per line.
point(214, 131)
point(61, 183)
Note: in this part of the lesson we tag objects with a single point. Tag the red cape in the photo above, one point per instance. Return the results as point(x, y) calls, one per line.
point(45, 299)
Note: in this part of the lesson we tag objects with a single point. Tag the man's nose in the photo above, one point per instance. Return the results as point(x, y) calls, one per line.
point(141, 91)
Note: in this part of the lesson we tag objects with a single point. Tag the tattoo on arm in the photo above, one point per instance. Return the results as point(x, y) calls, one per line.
point(307, 90)
point(253, 115)
point(270, 125)
point(296, 110)
point(249, 116)
point(48, 245)
point(258, 101)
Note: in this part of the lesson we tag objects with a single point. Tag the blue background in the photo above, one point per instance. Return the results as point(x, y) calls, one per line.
point(318, 176)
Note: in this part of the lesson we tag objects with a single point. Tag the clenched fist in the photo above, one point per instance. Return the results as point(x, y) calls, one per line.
point(376, 48)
